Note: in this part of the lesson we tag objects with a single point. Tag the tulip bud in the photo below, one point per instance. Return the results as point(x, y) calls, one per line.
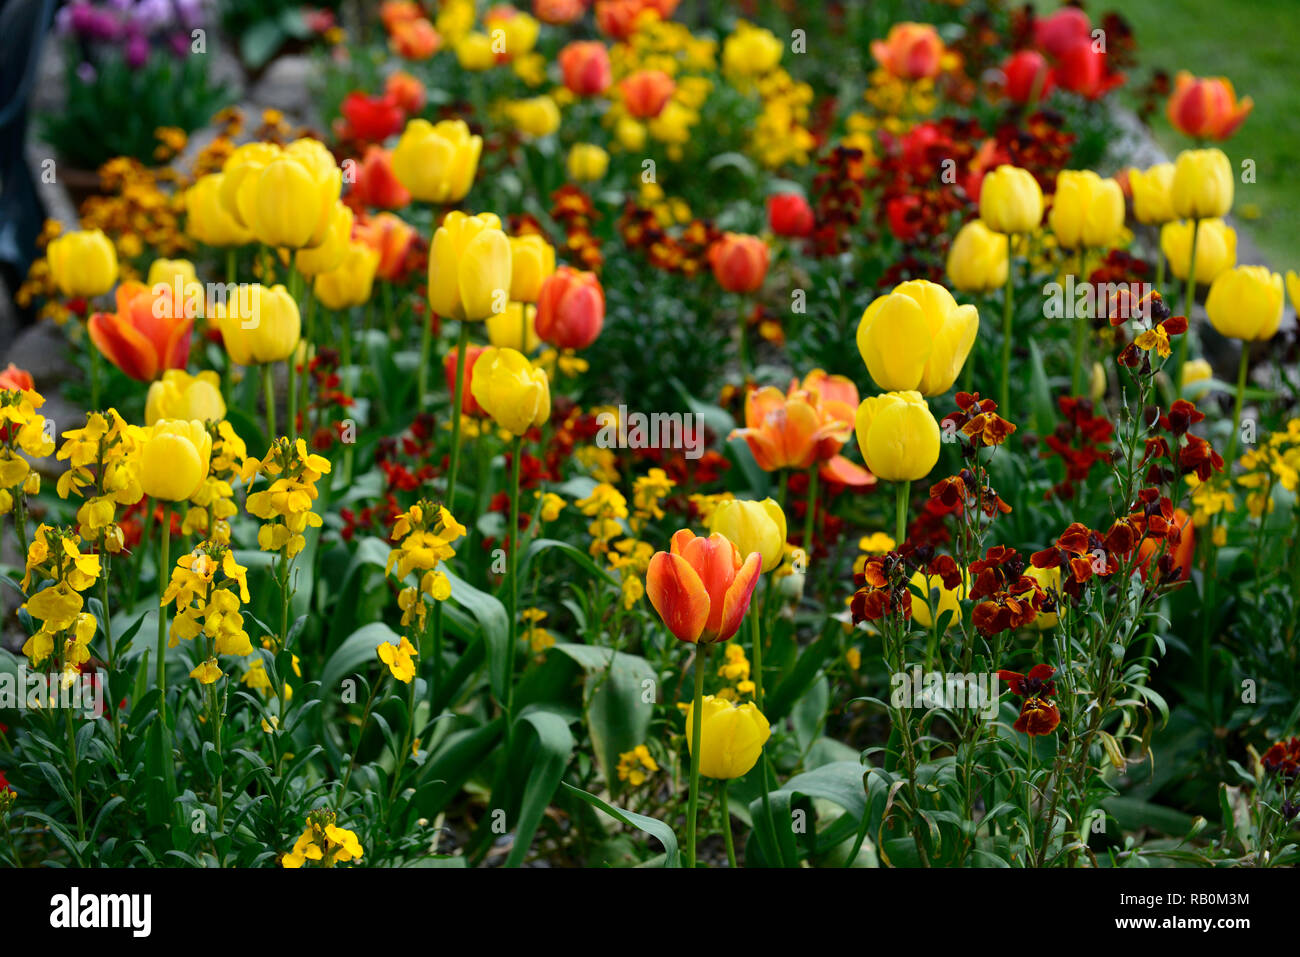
point(949, 599)
point(751, 51)
point(1246, 303)
point(259, 325)
point(898, 436)
point(585, 66)
point(294, 195)
point(174, 459)
point(474, 52)
point(1195, 372)
point(752, 527)
point(535, 117)
point(237, 190)
point(977, 259)
point(739, 262)
point(82, 263)
point(571, 309)
point(469, 267)
point(1203, 186)
point(647, 92)
point(179, 395)
point(437, 163)
point(467, 404)
point(789, 215)
point(1153, 201)
point(511, 390)
point(1206, 108)
point(1087, 211)
point(701, 587)
point(731, 737)
point(505, 328)
point(1011, 201)
point(351, 282)
point(207, 220)
point(587, 162)
point(917, 337)
point(911, 51)
point(1216, 248)
point(532, 260)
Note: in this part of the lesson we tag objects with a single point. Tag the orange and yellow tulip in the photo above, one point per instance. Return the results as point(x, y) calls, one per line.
point(1206, 107)
point(701, 587)
point(149, 333)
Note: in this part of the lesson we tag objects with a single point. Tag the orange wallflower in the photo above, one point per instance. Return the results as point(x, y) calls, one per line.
point(149, 333)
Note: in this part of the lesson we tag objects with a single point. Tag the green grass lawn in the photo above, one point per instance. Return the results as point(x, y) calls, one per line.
point(1256, 44)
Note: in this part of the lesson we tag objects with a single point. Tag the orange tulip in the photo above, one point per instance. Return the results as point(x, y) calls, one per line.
point(647, 92)
point(911, 51)
point(14, 379)
point(570, 309)
point(406, 90)
point(1206, 107)
point(393, 239)
point(415, 39)
point(739, 262)
point(701, 588)
point(149, 333)
point(377, 185)
point(810, 423)
point(619, 18)
point(586, 69)
point(468, 404)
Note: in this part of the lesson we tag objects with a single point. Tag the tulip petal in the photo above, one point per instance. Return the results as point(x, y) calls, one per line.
point(678, 595)
point(736, 601)
point(839, 469)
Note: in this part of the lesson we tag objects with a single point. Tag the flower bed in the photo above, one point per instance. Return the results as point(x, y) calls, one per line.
point(610, 440)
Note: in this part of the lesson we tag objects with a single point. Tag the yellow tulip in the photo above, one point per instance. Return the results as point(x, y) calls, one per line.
point(437, 163)
point(178, 276)
point(535, 117)
point(179, 395)
point(752, 527)
point(1246, 303)
point(504, 328)
point(1216, 247)
point(349, 284)
point(1195, 372)
point(474, 52)
point(174, 459)
point(312, 262)
point(511, 390)
point(630, 134)
point(1202, 185)
point(587, 162)
point(259, 325)
point(977, 258)
point(291, 199)
point(949, 600)
point(1293, 288)
point(731, 737)
point(917, 337)
point(1049, 579)
point(1087, 210)
point(1153, 200)
point(532, 260)
point(1011, 200)
point(469, 267)
point(82, 263)
point(898, 436)
point(238, 187)
point(207, 220)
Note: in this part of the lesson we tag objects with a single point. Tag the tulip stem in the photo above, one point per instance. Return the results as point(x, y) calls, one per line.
point(513, 572)
point(426, 347)
point(1189, 296)
point(457, 404)
point(1004, 393)
point(164, 567)
point(901, 492)
point(268, 389)
point(1080, 334)
point(810, 514)
point(757, 632)
point(293, 397)
point(1242, 371)
point(94, 377)
point(726, 825)
point(697, 716)
point(740, 328)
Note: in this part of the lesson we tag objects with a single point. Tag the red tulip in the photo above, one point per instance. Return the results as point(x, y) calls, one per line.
point(376, 185)
point(415, 39)
point(789, 215)
point(1029, 78)
point(618, 18)
point(372, 118)
point(911, 51)
point(393, 238)
point(1082, 69)
point(586, 69)
point(570, 309)
point(558, 12)
point(468, 404)
point(647, 92)
point(1055, 34)
point(701, 588)
point(739, 262)
point(149, 333)
point(1206, 107)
